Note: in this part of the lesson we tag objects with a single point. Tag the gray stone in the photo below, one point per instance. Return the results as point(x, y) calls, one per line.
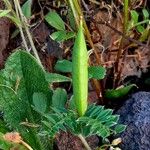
point(135, 113)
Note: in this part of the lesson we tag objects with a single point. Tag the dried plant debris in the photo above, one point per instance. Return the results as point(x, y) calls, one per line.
point(107, 31)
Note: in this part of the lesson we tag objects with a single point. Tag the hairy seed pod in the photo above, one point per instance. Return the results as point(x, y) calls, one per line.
point(80, 72)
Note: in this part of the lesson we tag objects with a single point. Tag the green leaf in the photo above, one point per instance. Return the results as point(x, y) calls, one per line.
point(71, 19)
point(140, 28)
point(15, 33)
point(4, 13)
point(26, 8)
point(59, 98)
point(70, 35)
point(134, 16)
point(58, 35)
point(22, 77)
point(61, 36)
point(63, 66)
point(145, 34)
point(120, 128)
point(53, 78)
point(97, 72)
point(118, 93)
point(39, 101)
point(145, 14)
point(55, 21)
point(3, 127)
point(98, 120)
point(72, 104)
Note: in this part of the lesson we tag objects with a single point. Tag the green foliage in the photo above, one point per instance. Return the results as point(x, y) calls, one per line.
point(118, 93)
point(145, 13)
point(97, 72)
point(143, 27)
point(9, 13)
point(94, 72)
point(53, 78)
point(55, 21)
point(64, 66)
point(62, 35)
point(20, 79)
point(39, 100)
point(59, 98)
point(26, 8)
point(3, 127)
point(96, 121)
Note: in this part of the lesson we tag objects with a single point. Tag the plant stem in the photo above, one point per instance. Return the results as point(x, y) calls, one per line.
point(83, 140)
point(26, 145)
point(24, 22)
point(125, 27)
point(21, 30)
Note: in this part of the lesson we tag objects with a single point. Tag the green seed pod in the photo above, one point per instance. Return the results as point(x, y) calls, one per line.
point(80, 72)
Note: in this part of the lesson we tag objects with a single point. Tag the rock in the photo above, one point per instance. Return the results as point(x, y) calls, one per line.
point(135, 113)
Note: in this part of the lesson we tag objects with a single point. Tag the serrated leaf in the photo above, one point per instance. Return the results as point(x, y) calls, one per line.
point(119, 93)
point(39, 101)
point(55, 21)
point(63, 66)
point(26, 8)
point(53, 78)
point(59, 98)
point(97, 72)
point(120, 128)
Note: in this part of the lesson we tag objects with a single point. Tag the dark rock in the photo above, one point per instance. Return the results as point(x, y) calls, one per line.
point(135, 113)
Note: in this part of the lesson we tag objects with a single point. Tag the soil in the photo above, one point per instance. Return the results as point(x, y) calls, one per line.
point(66, 141)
